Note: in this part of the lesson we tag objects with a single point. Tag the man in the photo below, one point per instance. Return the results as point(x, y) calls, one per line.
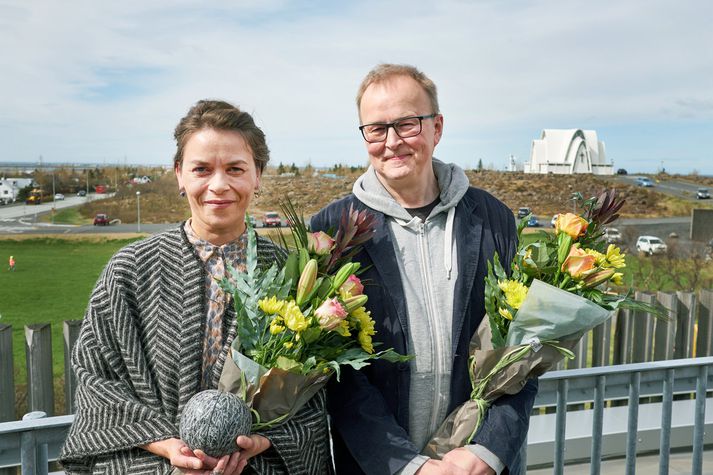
point(426, 265)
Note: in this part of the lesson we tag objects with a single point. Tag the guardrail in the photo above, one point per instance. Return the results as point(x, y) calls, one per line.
point(631, 412)
point(615, 394)
point(625, 338)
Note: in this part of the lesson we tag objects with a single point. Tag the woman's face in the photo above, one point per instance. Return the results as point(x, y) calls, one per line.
point(219, 176)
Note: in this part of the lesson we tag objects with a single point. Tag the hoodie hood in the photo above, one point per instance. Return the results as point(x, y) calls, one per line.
point(452, 183)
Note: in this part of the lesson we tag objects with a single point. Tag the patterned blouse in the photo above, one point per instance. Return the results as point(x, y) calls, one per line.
point(216, 259)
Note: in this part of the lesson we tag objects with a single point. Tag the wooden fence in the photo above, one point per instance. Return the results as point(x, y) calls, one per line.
point(623, 339)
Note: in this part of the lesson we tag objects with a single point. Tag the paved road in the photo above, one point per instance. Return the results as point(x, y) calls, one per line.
point(678, 188)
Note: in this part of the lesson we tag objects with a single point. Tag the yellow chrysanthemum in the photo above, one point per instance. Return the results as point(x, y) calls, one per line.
point(505, 313)
point(288, 344)
point(366, 328)
point(294, 320)
point(363, 317)
point(618, 278)
point(365, 342)
point(276, 326)
point(615, 258)
point(600, 260)
point(343, 328)
point(271, 306)
point(514, 291)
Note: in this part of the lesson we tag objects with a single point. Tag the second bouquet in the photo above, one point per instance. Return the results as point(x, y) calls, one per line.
point(558, 287)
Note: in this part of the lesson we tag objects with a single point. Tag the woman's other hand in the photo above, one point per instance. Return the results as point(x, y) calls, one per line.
point(234, 464)
point(179, 454)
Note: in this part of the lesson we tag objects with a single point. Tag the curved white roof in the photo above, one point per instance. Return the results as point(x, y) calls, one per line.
point(568, 151)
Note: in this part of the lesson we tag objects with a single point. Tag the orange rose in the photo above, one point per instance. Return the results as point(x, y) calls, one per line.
point(571, 224)
point(578, 262)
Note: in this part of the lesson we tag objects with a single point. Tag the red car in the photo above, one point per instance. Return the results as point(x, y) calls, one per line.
point(101, 220)
point(271, 219)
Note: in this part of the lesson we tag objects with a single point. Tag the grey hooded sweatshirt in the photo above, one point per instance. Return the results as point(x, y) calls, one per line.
point(426, 256)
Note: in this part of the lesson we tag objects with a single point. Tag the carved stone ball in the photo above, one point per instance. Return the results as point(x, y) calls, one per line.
point(212, 420)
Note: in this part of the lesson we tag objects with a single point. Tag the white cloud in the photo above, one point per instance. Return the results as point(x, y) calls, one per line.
point(99, 80)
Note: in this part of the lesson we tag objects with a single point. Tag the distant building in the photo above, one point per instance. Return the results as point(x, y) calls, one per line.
point(568, 151)
point(10, 187)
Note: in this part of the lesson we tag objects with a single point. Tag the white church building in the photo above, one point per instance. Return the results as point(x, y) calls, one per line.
point(568, 151)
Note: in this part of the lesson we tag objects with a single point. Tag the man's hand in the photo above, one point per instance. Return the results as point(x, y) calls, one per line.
point(439, 467)
point(468, 461)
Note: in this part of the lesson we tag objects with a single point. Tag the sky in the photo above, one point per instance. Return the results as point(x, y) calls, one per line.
point(107, 82)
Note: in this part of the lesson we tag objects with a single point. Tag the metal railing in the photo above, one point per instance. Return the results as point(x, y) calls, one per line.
point(653, 389)
point(605, 420)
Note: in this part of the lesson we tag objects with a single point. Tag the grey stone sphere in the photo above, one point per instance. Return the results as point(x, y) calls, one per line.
point(212, 420)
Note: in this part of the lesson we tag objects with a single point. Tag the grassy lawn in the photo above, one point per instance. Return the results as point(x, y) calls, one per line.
point(66, 216)
point(51, 283)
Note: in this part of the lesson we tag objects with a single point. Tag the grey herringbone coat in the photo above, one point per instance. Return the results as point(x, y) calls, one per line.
point(138, 361)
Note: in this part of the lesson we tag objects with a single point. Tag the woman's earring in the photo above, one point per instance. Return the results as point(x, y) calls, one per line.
point(182, 193)
point(257, 193)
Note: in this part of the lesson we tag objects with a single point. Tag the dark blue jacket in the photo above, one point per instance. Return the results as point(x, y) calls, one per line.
point(370, 408)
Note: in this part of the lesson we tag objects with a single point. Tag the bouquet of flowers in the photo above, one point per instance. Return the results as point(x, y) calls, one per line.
point(556, 289)
point(299, 320)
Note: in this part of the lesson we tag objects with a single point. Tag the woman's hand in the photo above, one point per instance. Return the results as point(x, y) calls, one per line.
point(234, 464)
point(179, 454)
point(199, 463)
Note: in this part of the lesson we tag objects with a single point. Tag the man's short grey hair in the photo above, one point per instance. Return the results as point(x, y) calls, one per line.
point(384, 72)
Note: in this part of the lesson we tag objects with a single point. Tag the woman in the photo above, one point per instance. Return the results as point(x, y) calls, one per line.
point(158, 328)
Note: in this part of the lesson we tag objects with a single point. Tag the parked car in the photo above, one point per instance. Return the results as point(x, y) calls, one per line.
point(271, 219)
point(553, 221)
point(650, 245)
point(58, 197)
point(621, 171)
point(703, 194)
point(532, 222)
point(522, 212)
point(613, 236)
point(82, 193)
point(101, 220)
point(645, 182)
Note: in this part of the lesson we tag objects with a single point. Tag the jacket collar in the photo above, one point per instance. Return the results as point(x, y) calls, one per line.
point(468, 232)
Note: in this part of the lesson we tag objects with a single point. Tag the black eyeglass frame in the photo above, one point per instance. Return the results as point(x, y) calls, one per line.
point(393, 126)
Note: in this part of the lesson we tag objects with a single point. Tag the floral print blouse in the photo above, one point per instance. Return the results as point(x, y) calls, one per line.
point(216, 260)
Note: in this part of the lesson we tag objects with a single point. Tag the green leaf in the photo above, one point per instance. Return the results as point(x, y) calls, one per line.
point(287, 364)
point(311, 334)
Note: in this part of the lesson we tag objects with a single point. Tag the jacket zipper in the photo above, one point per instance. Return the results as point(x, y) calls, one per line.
point(430, 312)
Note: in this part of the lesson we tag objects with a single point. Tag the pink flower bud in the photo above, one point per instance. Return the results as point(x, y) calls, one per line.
point(319, 243)
point(330, 314)
point(353, 285)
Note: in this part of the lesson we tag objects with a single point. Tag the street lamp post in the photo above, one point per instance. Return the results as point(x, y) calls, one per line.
point(138, 211)
point(53, 198)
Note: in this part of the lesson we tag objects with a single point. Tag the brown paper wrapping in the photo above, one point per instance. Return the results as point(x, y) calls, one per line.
point(459, 425)
point(278, 393)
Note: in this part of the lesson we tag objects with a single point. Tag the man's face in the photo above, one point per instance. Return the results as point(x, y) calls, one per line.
point(400, 162)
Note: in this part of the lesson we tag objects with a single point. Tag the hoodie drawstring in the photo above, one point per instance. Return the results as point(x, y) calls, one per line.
point(448, 242)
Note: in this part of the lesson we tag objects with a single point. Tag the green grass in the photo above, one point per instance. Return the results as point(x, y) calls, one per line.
point(51, 283)
point(66, 216)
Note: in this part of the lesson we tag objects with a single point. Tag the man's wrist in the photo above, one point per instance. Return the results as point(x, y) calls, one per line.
point(413, 465)
point(488, 457)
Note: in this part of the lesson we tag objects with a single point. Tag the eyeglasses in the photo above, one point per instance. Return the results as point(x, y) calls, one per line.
point(404, 128)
